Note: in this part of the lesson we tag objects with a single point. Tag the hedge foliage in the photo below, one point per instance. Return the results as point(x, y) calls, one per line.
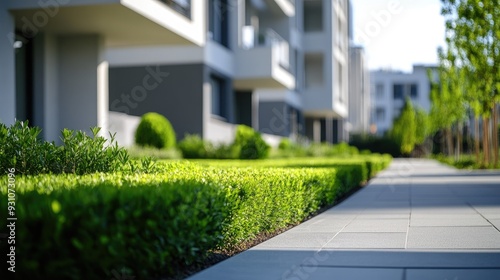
point(21, 148)
point(150, 225)
point(247, 144)
point(155, 130)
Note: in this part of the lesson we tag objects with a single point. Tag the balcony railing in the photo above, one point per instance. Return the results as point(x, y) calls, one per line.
point(269, 38)
point(183, 7)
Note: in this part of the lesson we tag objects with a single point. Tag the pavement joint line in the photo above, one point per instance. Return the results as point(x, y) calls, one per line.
point(322, 247)
point(470, 205)
point(450, 226)
point(400, 267)
point(410, 188)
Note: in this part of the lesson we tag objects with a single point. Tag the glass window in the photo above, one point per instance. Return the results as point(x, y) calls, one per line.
point(313, 70)
point(413, 91)
point(380, 114)
point(313, 15)
point(219, 21)
point(217, 85)
point(379, 91)
point(398, 91)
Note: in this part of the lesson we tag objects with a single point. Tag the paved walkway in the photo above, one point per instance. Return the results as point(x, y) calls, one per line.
point(416, 220)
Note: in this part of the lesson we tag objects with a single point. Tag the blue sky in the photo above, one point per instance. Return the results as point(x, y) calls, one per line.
point(398, 33)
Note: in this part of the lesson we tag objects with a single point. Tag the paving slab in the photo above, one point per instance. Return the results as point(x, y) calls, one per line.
point(418, 219)
point(454, 238)
point(368, 240)
point(377, 225)
point(452, 274)
point(457, 221)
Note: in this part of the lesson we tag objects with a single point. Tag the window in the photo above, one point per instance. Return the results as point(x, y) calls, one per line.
point(219, 21)
point(379, 91)
point(218, 92)
point(380, 114)
point(313, 15)
point(313, 70)
point(413, 91)
point(297, 70)
point(181, 6)
point(398, 91)
point(340, 80)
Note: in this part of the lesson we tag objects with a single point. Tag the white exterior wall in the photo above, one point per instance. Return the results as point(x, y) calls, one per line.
point(7, 73)
point(359, 92)
point(330, 99)
point(386, 101)
point(83, 93)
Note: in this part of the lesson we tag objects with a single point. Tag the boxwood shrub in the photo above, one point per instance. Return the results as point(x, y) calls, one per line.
point(151, 225)
point(155, 130)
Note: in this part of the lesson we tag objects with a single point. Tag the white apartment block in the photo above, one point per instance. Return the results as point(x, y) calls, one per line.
point(280, 66)
point(54, 54)
point(359, 92)
point(391, 88)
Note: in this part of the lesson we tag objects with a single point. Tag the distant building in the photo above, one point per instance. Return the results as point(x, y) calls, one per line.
point(359, 92)
point(391, 88)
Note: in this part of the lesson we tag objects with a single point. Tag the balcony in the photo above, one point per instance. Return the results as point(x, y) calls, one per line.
point(263, 62)
point(282, 7)
point(120, 22)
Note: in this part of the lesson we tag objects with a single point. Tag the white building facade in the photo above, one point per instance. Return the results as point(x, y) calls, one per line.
point(359, 92)
point(391, 88)
point(280, 66)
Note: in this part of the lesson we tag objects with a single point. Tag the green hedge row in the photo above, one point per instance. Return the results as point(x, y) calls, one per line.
point(150, 225)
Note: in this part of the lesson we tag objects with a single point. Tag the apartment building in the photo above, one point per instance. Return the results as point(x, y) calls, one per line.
point(359, 92)
point(391, 88)
point(279, 66)
point(274, 65)
point(54, 66)
point(325, 88)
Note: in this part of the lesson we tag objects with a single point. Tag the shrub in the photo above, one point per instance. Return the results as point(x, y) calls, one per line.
point(137, 152)
point(154, 224)
point(156, 131)
point(376, 144)
point(20, 148)
point(250, 144)
point(285, 144)
point(192, 146)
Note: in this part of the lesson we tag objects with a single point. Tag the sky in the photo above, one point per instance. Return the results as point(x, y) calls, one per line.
point(398, 33)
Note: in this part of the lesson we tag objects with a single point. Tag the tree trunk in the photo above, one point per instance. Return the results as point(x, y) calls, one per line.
point(449, 141)
point(495, 134)
point(459, 141)
point(486, 145)
point(476, 138)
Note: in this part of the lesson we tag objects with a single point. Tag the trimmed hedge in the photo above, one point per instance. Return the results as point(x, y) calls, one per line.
point(152, 225)
point(155, 130)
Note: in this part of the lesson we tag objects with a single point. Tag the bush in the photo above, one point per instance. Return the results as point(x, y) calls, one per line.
point(21, 148)
point(95, 224)
point(250, 144)
point(192, 146)
point(376, 144)
point(285, 144)
point(155, 130)
point(137, 152)
point(155, 224)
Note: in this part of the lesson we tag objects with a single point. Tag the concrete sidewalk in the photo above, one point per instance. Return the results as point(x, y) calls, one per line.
point(416, 220)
